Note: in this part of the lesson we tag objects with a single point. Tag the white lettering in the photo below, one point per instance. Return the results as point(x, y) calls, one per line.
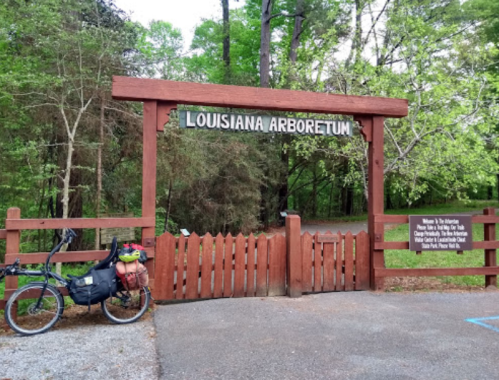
point(188, 121)
point(318, 130)
point(232, 121)
point(201, 120)
point(300, 126)
point(250, 123)
point(273, 125)
point(225, 122)
point(282, 124)
point(239, 123)
point(310, 126)
point(259, 124)
point(336, 128)
point(213, 123)
point(345, 128)
point(292, 125)
point(328, 127)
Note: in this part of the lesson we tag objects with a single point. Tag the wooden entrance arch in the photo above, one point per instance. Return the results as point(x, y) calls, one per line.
point(160, 97)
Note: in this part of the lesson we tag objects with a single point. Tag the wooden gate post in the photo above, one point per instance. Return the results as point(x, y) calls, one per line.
point(294, 259)
point(489, 234)
point(13, 240)
point(376, 199)
point(149, 150)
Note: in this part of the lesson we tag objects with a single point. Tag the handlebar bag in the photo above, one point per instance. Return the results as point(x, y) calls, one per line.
point(94, 287)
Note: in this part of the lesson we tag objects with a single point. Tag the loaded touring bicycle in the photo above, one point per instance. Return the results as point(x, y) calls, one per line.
point(37, 306)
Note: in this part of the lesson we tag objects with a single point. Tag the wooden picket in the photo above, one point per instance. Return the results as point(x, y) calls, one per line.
point(261, 266)
point(307, 257)
point(277, 266)
point(339, 266)
point(219, 267)
point(248, 267)
point(229, 268)
point(250, 272)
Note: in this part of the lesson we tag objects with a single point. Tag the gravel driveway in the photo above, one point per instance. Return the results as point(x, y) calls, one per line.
point(102, 351)
point(348, 335)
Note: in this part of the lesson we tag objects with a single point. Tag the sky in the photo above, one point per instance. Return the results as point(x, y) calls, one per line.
point(182, 14)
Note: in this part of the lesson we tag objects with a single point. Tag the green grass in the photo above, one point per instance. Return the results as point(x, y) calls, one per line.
point(436, 259)
point(444, 208)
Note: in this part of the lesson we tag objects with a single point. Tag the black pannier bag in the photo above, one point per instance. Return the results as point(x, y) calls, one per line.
point(93, 287)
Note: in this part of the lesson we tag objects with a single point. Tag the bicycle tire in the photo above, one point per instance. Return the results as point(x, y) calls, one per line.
point(120, 310)
point(35, 321)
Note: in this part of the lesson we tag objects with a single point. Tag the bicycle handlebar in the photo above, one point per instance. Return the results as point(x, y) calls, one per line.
point(11, 269)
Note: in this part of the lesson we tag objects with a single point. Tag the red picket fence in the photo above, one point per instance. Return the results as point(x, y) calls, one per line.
point(194, 267)
point(335, 266)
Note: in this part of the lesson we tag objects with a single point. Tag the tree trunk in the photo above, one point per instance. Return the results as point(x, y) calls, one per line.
point(265, 44)
point(283, 190)
point(356, 48)
point(226, 42)
point(314, 194)
point(99, 172)
point(295, 40)
point(168, 205)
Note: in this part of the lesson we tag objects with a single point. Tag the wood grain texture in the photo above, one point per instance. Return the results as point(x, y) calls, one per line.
point(307, 260)
point(192, 279)
point(423, 272)
point(339, 286)
point(239, 265)
point(277, 266)
point(250, 267)
point(362, 267)
point(219, 267)
point(149, 149)
point(60, 257)
point(380, 218)
point(228, 258)
point(138, 89)
point(328, 263)
point(165, 267)
point(12, 243)
point(317, 264)
point(490, 255)
point(179, 293)
point(206, 266)
point(261, 266)
point(376, 198)
point(294, 260)
point(50, 224)
point(348, 262)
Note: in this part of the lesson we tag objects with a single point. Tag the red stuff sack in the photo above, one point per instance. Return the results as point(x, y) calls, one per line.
point(133, 275)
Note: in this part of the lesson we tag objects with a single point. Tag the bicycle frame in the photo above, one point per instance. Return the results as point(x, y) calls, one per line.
point(13, 270)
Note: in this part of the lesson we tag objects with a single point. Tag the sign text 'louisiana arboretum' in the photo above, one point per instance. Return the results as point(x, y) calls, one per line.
point(265, 124)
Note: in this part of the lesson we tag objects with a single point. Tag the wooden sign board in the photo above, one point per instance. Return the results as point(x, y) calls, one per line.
point(440, 233)
point(328, 238)
point(121, 234)
point(265, 124)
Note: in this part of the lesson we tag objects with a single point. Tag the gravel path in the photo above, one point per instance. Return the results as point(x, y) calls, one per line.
point(103, 351)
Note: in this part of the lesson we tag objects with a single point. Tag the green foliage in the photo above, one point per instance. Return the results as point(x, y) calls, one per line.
point(56, 55)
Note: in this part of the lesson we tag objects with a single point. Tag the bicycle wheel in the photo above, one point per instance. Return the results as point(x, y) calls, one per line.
point(34, 315)
point(127, 306)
